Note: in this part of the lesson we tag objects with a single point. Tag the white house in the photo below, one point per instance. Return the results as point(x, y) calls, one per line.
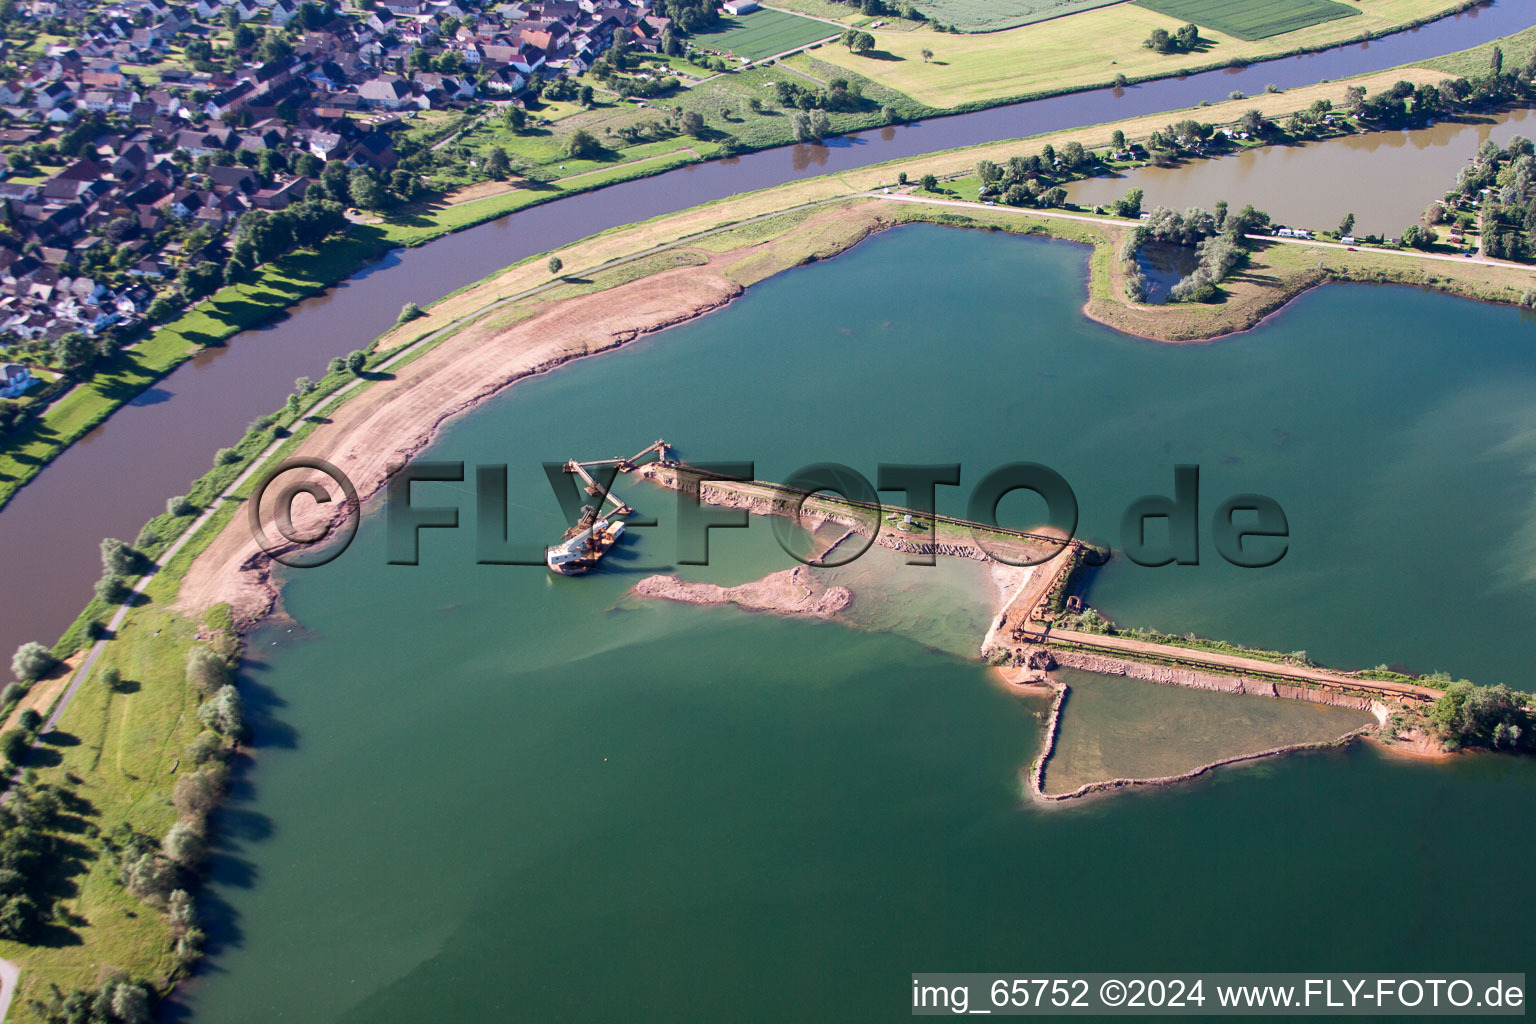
point(14, 379)
point(734, 7)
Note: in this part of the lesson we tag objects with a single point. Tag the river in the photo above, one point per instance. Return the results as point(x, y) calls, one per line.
point(119, 476)
point(477, 788)
point(1385, 179)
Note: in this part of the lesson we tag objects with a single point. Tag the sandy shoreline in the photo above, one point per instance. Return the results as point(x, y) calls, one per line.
point(391, 421)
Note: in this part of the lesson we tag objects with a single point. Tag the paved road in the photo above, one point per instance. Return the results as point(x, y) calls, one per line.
point(9, 975)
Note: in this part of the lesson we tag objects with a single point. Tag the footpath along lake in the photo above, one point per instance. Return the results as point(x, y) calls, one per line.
point(105, 486)
point(479, 787)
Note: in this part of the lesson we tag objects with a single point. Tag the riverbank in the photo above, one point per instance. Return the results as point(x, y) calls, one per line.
point(618, 285)
point(295, 278)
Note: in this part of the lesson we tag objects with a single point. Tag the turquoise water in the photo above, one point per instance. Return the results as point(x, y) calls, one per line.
point(481, 792)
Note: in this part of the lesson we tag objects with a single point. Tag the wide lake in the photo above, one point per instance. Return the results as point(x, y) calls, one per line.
point(480, 792)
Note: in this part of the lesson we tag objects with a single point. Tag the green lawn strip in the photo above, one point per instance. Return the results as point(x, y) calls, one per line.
point(1252, 19)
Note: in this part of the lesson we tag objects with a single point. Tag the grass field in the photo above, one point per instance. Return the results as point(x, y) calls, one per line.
point(992, 15)
point(1252, 19)
point(1085, 50)
point(762, 34)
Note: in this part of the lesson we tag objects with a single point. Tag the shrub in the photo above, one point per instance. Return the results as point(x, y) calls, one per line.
point(356, 360)
point(179, 506)
point(193, 796)
point(119, 558)
point(184, 844)
point(32, 661)
point(111, 678)
point(112, 589)
point(226, 457)
point(408, 312)
point(205, 747)
point(14, 744)
point(206, 670)
point(12, 693)
point(223, 713)
point(29, 720)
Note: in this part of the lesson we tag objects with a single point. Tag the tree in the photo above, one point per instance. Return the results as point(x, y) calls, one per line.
point(1117, 140)
point(184, 844)
point(802, 126)
point(555, 265)
point(583, 145)
point(1496, 61)
point(112, 589)
point(988, 171)
point(73, 353)
point(408, 312)
point(305, 386)
point(29, 720)
point(1129, 205)
point(206, 670)
point(927, 55)
point(1074, 155)
point(692, 123)
point(1347, 225)
point(585, 96)
point(863, 42)
point(365, 191)
point(821, 124)
point(1253, 123)
point(32, 661)
point(356, 360)
point(517, 118)
point(1416, 237)
point(929, 183)
point(117, 556)
point(1354, 97)
point(14, 745)
point(496, 163)
point(111, 678)
point(223, 713)
point(193, 795)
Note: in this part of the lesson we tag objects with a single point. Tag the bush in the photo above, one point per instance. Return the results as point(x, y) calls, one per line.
point(193, 796)
point(356, 360)
point(119, 558)
point(206, 670)
point(112, 589)
point(223, 713)
point(32, 661)
point(29, 720)
point(205, 747)
point(111, 678)
point(184, 844)
point(410, 311)
point(12, 693)
point(179, 506)
point(226, 457)
point(14, 744)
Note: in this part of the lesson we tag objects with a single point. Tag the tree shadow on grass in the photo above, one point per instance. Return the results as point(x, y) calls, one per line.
point(887, 55)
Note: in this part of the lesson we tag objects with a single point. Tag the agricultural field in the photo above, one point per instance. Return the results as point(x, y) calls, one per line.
point(1252, 19)
point(1085, 50)
point(994, 15)
point(762, 33)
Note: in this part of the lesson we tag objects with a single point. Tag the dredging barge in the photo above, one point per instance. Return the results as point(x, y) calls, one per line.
point(583, 545)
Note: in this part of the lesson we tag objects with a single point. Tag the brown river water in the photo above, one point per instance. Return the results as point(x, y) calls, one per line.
point(120, 475)
point(1385, 178)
